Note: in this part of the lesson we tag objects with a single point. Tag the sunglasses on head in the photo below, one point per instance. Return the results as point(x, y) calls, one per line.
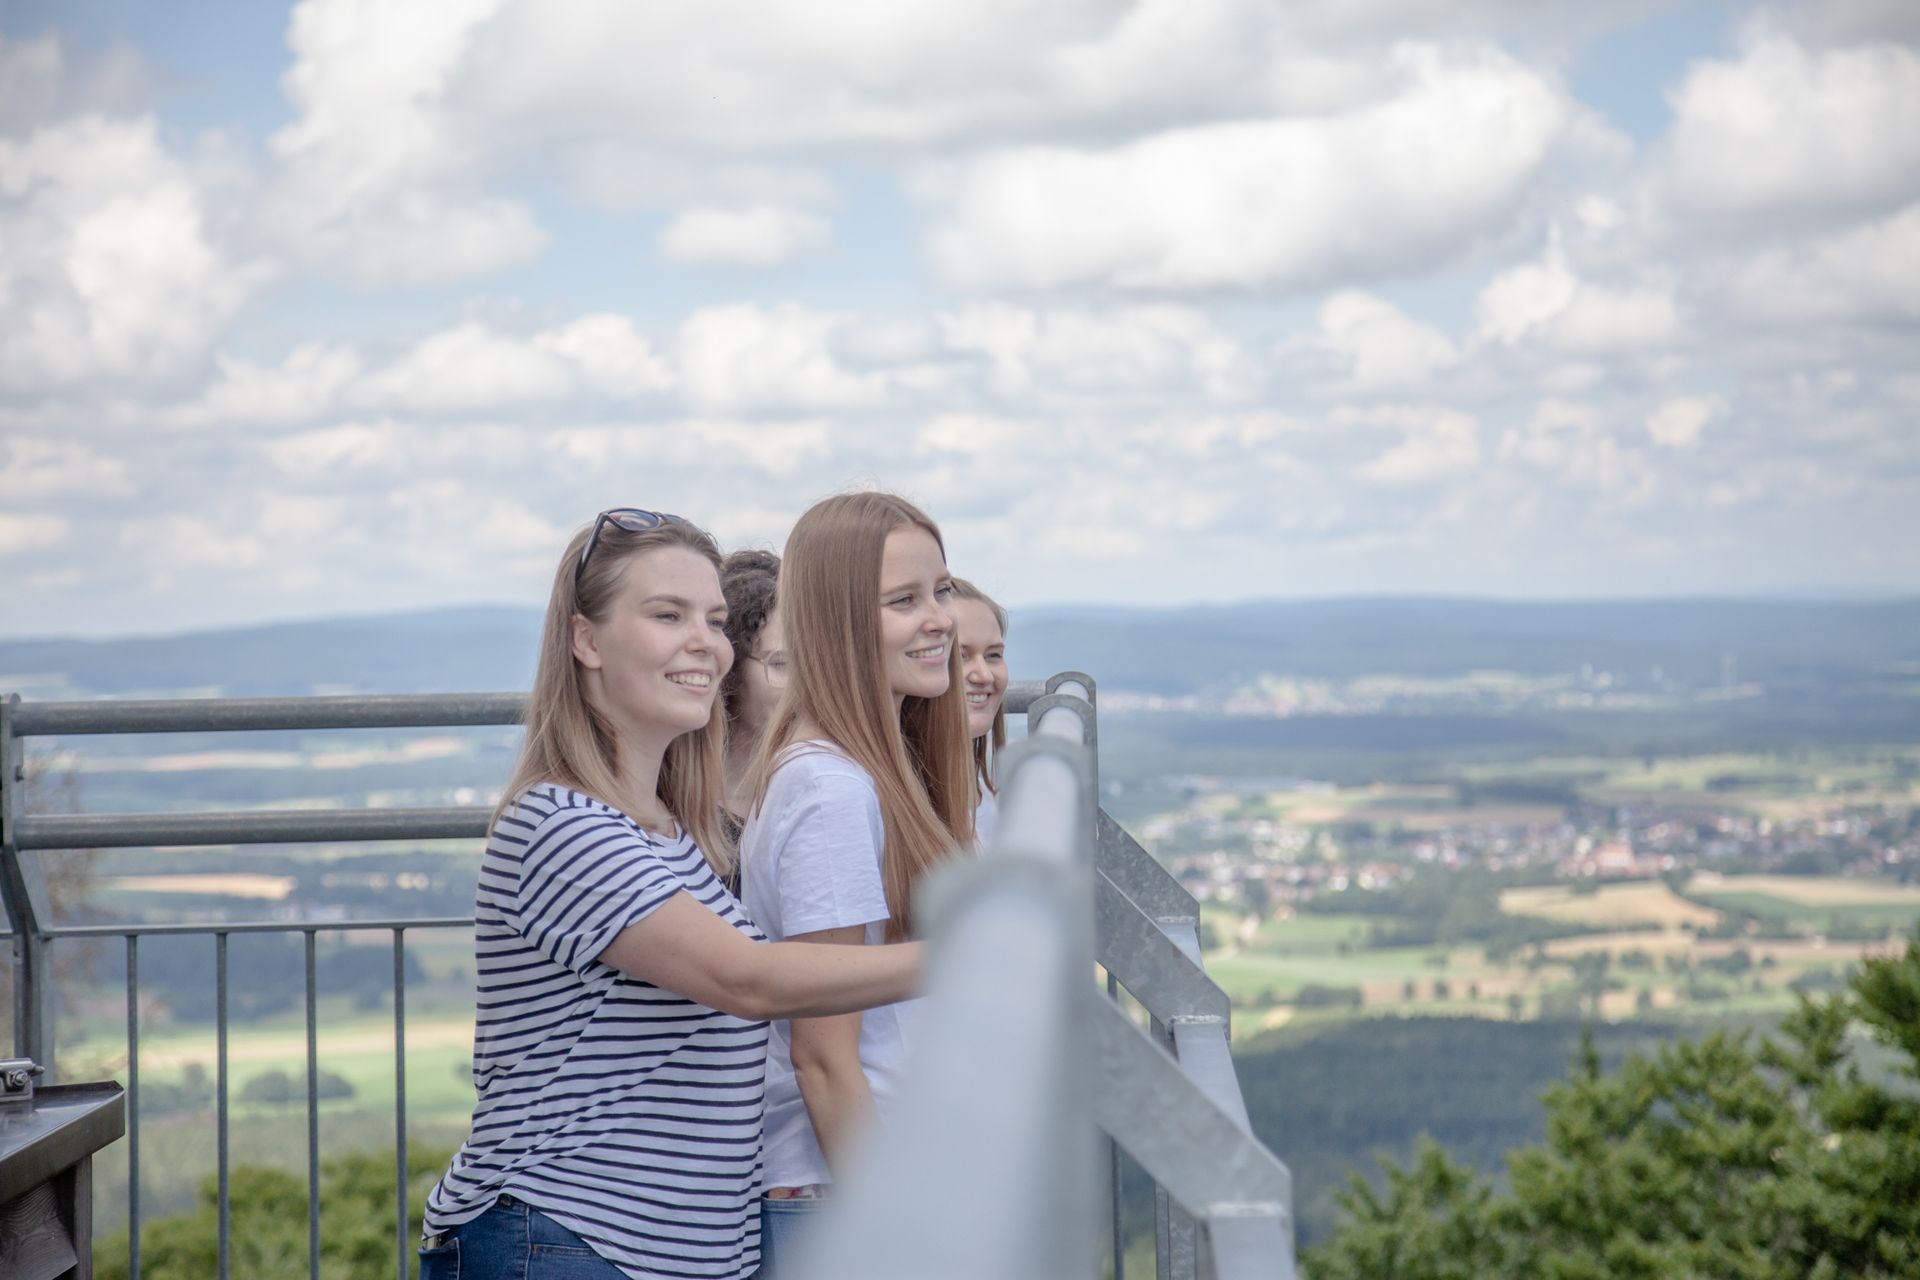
point(632, 519)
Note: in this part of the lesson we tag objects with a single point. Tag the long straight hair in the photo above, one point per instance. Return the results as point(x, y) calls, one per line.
point(572, 742)
point(989, 744)
point(918, 760)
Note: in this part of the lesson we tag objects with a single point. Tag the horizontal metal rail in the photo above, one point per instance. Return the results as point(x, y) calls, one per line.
point(203, 927)
point(358, 711)
point(249, 715)
point(248, 826)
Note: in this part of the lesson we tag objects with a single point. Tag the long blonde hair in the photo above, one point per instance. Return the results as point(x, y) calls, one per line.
point(918, 759)
point(571, 742)
point(993, 741)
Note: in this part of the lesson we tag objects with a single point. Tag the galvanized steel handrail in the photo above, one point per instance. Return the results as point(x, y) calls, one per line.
point(984, 1166)
point(249, 715)
point(999, 1115)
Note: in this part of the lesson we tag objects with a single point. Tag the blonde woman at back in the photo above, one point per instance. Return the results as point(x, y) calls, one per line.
point(982, 630)
point(864, 782)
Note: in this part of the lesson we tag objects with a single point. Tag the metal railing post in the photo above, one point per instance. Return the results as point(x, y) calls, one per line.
point(32, 1032)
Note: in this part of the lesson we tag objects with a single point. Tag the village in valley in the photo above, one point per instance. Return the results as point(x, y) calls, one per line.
point(1704, 886)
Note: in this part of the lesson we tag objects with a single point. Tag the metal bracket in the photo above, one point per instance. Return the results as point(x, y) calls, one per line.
point(1089, 723)
point(1135, 873)
point(16, 1083)
point(1080, 678)
point(1148, 963)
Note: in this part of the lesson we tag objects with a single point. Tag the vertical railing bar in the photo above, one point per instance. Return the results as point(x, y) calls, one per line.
point(133, 1106)
point(313, 1119)
point(220, 1108)
point(400, 1100)
point(1113, 1174)
point(1165, 1226)
point(18, 944)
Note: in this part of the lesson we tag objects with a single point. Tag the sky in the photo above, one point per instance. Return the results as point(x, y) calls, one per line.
point(361, 305)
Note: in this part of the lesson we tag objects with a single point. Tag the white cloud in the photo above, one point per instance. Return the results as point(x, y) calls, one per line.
point(1273, 203)
point(1376, 345)
point(35, 467)
point(730, 76)
point(306, 385)
point(110, 267)
point(757, 236)
point(1438, 444)
point(691, 446)
point(171, 543)
point(980, 438)
point(1570, 441)
point(465, 368)
point(474, 367)
point(1124, 351)
point(488, 520)
point(620, 174)
point(1677, 423)
point(1547, 302)
point(1866, 272)
point(345, 446)
point(46, 83)
point(378, 176)
point(22, 533)
point(1783, 129)
point(746, 357)
point(610, 355)
point(468, 367)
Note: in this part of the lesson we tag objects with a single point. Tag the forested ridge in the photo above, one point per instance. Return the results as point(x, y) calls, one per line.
point(1736, 1156)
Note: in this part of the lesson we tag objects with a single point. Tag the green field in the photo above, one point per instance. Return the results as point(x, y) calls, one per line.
point(1635, 960)
point(179, 1148)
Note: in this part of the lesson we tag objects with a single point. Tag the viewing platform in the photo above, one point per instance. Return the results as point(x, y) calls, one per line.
point(1070, 1019)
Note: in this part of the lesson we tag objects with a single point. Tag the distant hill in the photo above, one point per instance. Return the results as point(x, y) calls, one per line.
point(1693, 644)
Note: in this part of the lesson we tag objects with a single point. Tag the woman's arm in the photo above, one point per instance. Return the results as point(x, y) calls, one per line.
point(686, 949)
point(826, 1064)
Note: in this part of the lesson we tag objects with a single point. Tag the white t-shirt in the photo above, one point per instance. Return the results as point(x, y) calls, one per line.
point(810, 860)
point(986, 816)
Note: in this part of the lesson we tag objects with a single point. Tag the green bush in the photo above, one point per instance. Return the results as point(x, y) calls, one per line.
point(1316, 996)
point(280, 1088)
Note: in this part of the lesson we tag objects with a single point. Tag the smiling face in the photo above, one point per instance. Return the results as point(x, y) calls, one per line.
point(916, 625)
point(983, 662)
point(654, 663)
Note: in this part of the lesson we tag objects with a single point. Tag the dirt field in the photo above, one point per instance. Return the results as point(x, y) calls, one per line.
point(1634, 902)
point(173, 1052)
point(239, 884)
point(1812, 891)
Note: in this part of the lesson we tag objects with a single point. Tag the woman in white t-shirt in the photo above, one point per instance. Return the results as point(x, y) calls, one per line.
point(982, 631)
point(864, 783)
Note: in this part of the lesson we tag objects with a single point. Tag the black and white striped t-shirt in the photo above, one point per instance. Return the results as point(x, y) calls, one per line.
point(628, 1114)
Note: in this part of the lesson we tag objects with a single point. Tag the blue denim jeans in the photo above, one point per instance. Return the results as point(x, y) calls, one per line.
point(513, 1241)
point(784, 1224)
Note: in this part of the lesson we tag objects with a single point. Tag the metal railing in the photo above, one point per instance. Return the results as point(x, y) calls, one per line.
point(1018, 1060)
